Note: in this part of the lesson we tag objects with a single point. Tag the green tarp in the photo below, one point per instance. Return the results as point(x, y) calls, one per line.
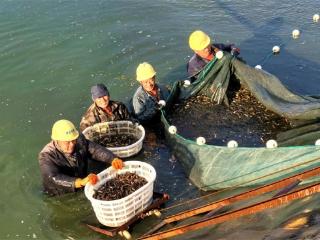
point(214, 167)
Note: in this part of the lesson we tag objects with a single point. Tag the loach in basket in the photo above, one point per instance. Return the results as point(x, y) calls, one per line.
point(118, 212)
point(99, 130)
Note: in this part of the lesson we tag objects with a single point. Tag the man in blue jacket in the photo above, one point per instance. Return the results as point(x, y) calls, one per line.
point(149, 97)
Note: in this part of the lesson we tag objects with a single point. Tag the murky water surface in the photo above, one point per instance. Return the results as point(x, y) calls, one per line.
point(51, 52)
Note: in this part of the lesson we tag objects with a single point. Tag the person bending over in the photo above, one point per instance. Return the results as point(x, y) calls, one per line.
point(64, 161)
point(204, 52)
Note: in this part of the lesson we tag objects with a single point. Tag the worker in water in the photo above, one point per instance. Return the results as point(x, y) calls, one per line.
point(150, 96)
point(103, 109)
point(204, 52)
point(64, 161)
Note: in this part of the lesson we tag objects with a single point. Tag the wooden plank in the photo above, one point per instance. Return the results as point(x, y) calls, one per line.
point(258, 207)
point(286, 183)
point(159, 199)
point(102, 231)
point(242, 196)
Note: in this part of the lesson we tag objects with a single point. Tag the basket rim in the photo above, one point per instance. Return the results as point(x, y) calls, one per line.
point(122, 121)
point(94, 200)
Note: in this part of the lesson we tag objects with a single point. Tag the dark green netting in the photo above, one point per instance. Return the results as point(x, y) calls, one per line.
point(215, 167)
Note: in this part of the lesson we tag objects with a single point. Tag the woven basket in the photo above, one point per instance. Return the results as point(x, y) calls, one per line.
point(118, 212)
point(99, 130)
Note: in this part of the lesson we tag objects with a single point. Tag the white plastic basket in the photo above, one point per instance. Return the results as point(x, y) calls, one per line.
point(99, 130)
point(117, 212)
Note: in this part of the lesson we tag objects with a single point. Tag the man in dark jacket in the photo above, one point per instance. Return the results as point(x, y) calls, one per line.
point(64, 161)
point(103, 109)
point(204, 52)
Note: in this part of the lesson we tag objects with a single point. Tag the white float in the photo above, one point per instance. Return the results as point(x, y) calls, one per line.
point(317, 143)
point(201, 140)
point(219, 54)
point(271, 143)
point(316, 18)
point(162, 103)
point(172, 129)
point(258, 67)
point(276, 49)
point(295, 34)
point(186, 83)
point(232, 144)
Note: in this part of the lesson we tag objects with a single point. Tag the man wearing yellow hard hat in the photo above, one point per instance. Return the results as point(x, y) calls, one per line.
point(103, 108)
point(204, 52)
point(64, 161)
point(150, 96)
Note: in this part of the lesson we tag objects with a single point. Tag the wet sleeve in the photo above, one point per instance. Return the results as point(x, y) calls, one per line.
point(125, 113)
point(51, 174)
point(192, 70)
point(142, 110)
point(85, 122)
point(100, 153)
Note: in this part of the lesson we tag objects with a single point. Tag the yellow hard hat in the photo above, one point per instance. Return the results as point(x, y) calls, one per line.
point(199, 40)
point(145, 71)
point(64, 130)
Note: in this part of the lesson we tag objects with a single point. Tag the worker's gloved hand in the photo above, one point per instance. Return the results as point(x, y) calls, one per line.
point(117, 163)
point(135, 121)
point(81, 182)
point(235, 51)
point(93, 178)
point(161, 104)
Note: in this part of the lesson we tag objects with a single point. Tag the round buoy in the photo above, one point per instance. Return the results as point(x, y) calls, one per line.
point(276, 49)
point(295, 34)
point(316, 18)
point(317, 143)
point(271, 143)
point(219, 54)
point(232, 144)
point(162, 103)
point(258, 67)
point(157, 213)
point(125, 234)
point(201, 140)
point(186, 83)
point(172, 129)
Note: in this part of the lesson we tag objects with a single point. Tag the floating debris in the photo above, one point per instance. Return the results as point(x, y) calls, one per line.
point(120, 186)
point(121, 140)
point(246, 120)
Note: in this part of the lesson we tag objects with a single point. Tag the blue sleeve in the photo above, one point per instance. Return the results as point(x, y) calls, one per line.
point(142, 110)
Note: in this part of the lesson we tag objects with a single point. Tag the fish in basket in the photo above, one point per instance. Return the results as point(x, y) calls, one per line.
point(114, 213)
point(123, 138)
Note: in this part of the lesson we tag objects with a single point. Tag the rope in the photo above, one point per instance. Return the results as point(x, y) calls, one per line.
point(284, 43)
point(262, 62)
point(238, 185)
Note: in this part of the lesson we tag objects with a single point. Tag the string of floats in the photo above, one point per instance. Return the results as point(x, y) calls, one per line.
point(275, 50)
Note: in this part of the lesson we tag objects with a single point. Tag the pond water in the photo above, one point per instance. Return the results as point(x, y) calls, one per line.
point(52, 52)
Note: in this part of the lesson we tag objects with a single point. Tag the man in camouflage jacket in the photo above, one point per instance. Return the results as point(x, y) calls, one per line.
point(103, 109)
